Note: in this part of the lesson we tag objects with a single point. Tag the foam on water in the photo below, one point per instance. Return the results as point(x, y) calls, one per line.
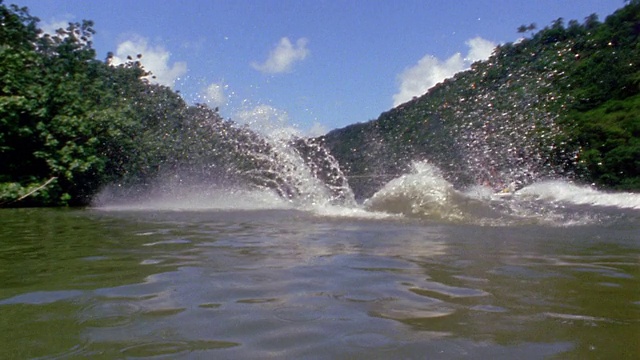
point(195, 198)
point(424, 193)
point(356, 211)
point(216, 198)
point(560, 191)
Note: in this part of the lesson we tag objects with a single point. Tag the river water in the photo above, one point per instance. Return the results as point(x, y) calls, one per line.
point(169, 279)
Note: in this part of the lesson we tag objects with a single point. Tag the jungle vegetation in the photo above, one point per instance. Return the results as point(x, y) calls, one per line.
point(564, 101)
point(70, 124)
point(561, 102)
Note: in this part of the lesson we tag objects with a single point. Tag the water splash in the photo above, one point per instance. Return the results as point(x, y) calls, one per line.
point(505, 133)
point(255, 165)
point(563, 192)
point(494, 125)
point(424, 193)
point(266, 165)
point(298, 169)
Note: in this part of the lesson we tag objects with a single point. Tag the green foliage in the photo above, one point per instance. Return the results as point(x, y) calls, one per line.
point(610, 137)
point(46, 92)
point(562, 102)
point(69, 124)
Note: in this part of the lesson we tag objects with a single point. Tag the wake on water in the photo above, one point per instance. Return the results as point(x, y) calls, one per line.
point(293, 173)
point(422, 194)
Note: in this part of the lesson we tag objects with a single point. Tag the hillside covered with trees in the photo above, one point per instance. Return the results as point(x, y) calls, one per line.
point(564, 102)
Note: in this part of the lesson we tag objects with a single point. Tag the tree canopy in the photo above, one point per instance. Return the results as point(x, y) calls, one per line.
point(564, 101)
point(69, 123)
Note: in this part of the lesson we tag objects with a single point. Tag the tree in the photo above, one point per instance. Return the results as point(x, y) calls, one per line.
point(524, 28)
point(563, 103)
point(57, 110)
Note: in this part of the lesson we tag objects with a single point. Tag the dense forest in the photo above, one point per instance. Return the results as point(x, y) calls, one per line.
point(70, 124)
point(563, 102)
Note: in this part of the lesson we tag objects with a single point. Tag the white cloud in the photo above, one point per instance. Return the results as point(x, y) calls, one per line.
point(479, 49)
point(429, 70)
point(214, 95)
point(50, 27)
point(283, 56)
point(154, 59)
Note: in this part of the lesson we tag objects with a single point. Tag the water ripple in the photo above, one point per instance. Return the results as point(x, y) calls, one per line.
point(109, 314)
point(299, 313)
point(160, 348)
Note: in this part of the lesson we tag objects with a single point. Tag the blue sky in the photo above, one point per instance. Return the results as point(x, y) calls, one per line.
point(313, 64)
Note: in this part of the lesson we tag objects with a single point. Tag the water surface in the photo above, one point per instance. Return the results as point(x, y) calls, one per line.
point(288, 283)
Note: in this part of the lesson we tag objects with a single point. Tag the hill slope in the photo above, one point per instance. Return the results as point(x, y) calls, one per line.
point(563, 103)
